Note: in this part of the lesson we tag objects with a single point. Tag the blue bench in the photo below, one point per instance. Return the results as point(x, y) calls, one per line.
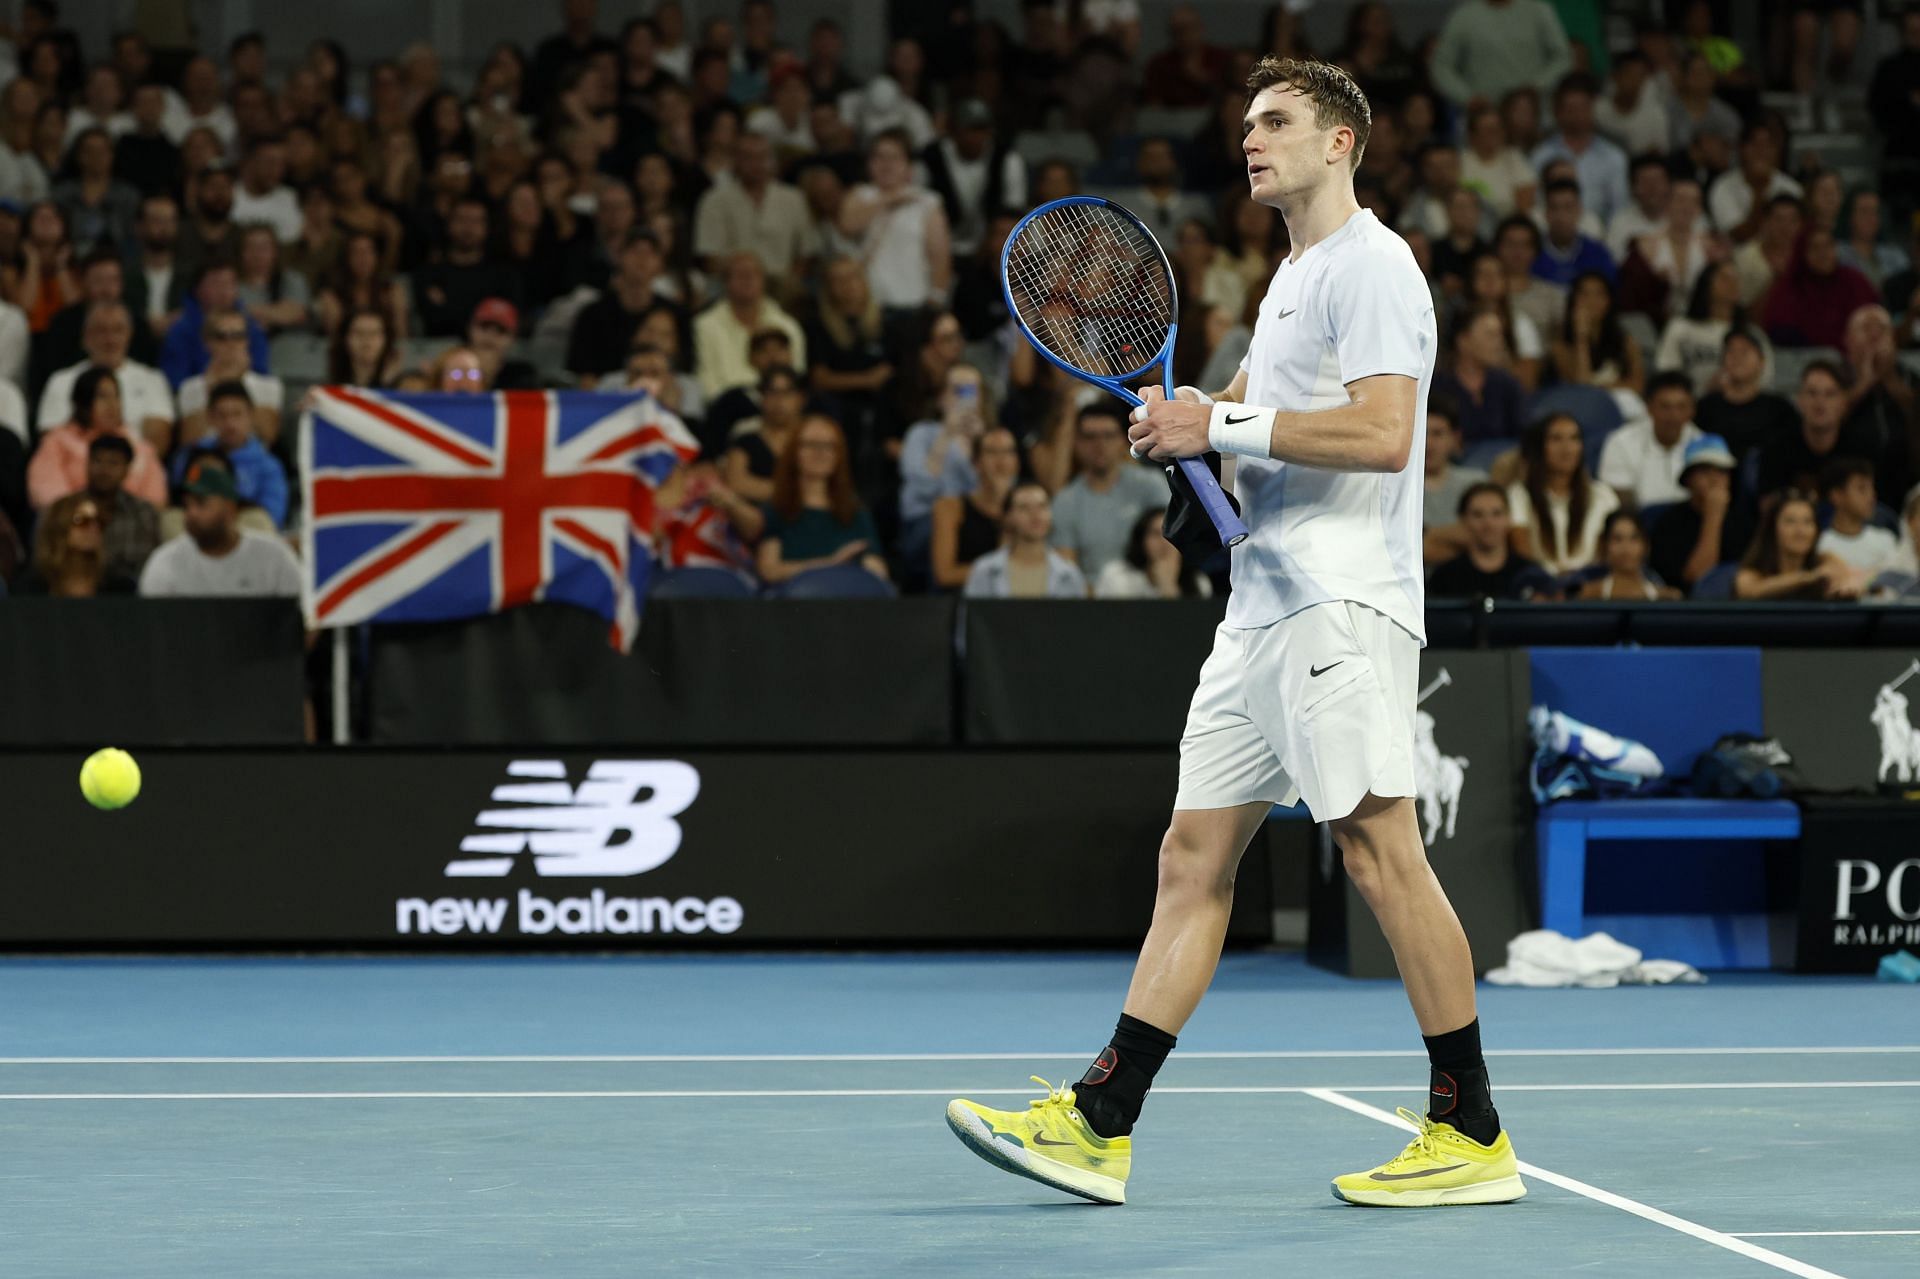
point(1566, 828)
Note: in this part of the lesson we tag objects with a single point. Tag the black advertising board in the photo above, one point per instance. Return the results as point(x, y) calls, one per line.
point(1859, 882)
point(1846, 715)
point(374, 848)
point(1470, 756)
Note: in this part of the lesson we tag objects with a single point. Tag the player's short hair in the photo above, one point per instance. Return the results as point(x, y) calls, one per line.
point(1475, 490)
point(1336, 99)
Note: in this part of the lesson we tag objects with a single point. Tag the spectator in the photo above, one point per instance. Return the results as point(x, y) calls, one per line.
point(1795, 461)
point(146, 399)
point(701, 523)
point(1426, 207)
point(756, 443)
point(1864, 249)
point(722, 333)
point(539, 243)
point(1881, 396)
point(1554, 481)
point(757, 214)
point(100, 208)
point(314, 253)
point(815, 520)
point(145, 156)
point(225, 333)
point(1094, 514)
point(211, 233)
point(1455, 253)
point(1768, 254)
point(1493, 168)
point(1694, 111)
point(604, 329)
point(1810, 304)
point(767, 349)
point(214, 556)
point(22, 177)
point(206, 109)
point(1518, 243)
point(1646, 212)
point(1825, 196)
point(900, 229)
point(276, 299)
point(1025, 566)
point(490, 337)
point(155, 232)
point(183, 353)
point(974, 175)
point(1189, 71)
point(1445, 482)
point(1738, 199)
point(968, 526)
point(130, 527)
point(850, 360)
point(1847, 484)
point(1692, 343)
point(1489, 399)
point(1666, 263)
point(1599, 165)
point(783, 120)
point(457, 371)
point(263, 196)
point(1690, 539)
point(1152, 568)
point(1841, 25)
point(1488, 48)
point(936, 457)
point(1633, 112)
point(364, 351)
point(1896, 112)
point(1908, 562)
point(1487, 567)
point(1386, 70)
point(574, 44)
point(1566, 252)
point(1739, 409)
point(103, 279)
point(1643, 459)
point(1156, 195)
point(59, 465)
point(258, 477)
point(1623, 553)
point(1206, 278)
point(45, 281)
point(459, 278)
point(69, 557)
point(1784, 562)
point(1592, 349)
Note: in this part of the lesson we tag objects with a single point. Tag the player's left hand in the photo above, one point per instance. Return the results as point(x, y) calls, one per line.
point(1167, 429)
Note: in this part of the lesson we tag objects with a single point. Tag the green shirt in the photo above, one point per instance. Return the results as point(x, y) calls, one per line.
point(816, 534)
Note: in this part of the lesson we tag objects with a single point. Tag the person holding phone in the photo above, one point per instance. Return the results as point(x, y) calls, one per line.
point(936, 459)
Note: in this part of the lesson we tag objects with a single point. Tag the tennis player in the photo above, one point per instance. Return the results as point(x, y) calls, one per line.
point(1309, 691)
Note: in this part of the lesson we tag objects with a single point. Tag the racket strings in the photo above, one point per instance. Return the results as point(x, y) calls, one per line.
point(1092, 286)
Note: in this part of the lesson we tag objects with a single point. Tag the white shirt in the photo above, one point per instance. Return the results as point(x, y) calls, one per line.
point(991, 577)
point(144, 393)
point(1730, 198)
point(14, 341)
point(268, 392)
point(260, 566)
point(220, 120)
point(1646, 127)
point(1120, 580)
point(1352, 306)
point(159, 285)
point(278, 208)
point(1602, 501)
point(1870, 550)
point(1633, 459)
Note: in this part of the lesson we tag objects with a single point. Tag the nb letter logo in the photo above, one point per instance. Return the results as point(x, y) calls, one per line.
point(603, 827)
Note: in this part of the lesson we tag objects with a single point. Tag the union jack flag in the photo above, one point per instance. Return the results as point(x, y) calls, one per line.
point(426, 507)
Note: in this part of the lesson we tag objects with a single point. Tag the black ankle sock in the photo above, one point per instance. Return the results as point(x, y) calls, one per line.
point(1459, 1094)
point(1114, 1088)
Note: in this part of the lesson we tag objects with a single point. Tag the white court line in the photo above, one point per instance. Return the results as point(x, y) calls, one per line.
point(1634, 1206)
point(718, 1093)
point(771, 1058)
point(1814, 1234)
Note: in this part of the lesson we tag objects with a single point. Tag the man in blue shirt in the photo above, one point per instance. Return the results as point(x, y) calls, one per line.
point(184, 352)
point(1600, 165)
point(1564, 252)
point(257, 474)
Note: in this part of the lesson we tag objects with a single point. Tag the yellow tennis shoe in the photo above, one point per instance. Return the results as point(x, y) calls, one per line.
point(1439, 1167)
point(1049, 1142)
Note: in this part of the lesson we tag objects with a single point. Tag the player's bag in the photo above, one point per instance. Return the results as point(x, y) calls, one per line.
point(1186, 524)
point(1573, 760)
point(1744, 766)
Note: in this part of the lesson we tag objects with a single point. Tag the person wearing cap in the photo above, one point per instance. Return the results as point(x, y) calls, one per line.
point(1740, 409)
point(490, 338)
point(973, 175)
point(1643, 460)
point(214, 556)
point(1712, 527)
point(59, 465)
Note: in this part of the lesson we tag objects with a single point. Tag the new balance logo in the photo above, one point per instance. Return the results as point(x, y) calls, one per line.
point(619, 821)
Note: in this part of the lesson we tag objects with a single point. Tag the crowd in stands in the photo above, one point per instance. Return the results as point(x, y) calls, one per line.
point(1676, 316)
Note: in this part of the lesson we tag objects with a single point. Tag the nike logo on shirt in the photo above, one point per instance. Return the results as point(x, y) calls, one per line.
point(1281, 315)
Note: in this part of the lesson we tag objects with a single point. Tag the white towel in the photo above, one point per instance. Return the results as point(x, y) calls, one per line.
point(1544, 958)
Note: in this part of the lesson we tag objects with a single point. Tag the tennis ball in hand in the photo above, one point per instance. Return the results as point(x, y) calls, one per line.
point(110, 779)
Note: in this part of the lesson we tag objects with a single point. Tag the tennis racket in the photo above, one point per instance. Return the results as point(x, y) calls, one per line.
point(1091, 289)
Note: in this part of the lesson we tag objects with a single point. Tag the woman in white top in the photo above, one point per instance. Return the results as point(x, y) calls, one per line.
point(900, 228)
point(1573, 508)
point(1680, 249)
point(1151, 569)
point(1691, 343)
point(1495, 170)
point(1623, 549)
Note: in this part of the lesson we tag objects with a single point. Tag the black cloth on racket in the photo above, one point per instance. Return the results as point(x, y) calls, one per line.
point(1186, 523)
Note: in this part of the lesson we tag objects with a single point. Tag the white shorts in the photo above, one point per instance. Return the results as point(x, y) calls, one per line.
point(1318, 706)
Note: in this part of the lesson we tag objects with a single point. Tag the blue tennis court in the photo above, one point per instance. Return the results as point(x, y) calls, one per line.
point(782, 1114)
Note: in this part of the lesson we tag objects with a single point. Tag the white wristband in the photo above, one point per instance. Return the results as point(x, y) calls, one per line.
point(1246, 429)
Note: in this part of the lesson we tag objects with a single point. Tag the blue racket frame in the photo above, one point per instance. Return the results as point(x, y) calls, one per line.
point(1206, 485)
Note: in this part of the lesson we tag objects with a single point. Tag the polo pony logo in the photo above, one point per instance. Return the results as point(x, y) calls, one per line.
point(1438, 778)
point(1899, 739)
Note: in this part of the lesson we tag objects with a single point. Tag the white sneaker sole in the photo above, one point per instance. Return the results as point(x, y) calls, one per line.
point(1504, 1190)
point(980, 1139)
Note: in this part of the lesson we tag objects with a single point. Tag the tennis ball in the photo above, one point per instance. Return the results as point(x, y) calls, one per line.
point(110, 779)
